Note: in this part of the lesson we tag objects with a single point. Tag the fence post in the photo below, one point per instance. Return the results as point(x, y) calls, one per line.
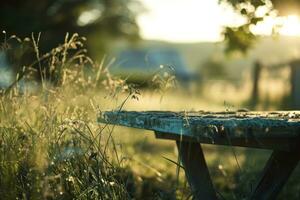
point(255, 87)
point(295, 84)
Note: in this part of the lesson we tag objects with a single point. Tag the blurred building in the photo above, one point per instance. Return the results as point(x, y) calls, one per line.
point(141, 65)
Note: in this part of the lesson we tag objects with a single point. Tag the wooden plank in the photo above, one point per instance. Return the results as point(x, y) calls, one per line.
point(271, 130)
point(281, 144)
point(238, 125)
point(196, 170)
point(275, 174)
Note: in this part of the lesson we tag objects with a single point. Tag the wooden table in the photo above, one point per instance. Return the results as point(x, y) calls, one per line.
point(277, 131)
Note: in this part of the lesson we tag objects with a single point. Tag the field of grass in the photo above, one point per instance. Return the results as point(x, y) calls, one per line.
point(51, 146)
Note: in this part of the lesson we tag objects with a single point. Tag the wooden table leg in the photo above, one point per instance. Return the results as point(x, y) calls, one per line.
point(275, 174)
point(196, 170)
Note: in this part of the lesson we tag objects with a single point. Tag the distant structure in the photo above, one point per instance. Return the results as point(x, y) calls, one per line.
point(294, 102)
point(142, 64)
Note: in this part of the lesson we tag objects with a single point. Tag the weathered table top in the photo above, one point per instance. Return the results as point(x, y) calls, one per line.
point(279, 130)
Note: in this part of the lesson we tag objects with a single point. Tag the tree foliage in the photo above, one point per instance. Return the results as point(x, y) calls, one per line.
point(56, 17)
point(242, 37)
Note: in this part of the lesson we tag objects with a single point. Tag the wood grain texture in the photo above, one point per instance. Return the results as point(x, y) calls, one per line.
point(275, 174)
point(196, 170)
point(279, 131)
point(270, 130)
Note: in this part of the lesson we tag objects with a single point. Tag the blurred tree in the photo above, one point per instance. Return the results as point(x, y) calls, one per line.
point(254, 11)
point(113, 18)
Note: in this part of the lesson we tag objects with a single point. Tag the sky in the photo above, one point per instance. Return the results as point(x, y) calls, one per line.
point(199, 20)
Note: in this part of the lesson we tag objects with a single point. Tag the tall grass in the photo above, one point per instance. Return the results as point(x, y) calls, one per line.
point(50, 147)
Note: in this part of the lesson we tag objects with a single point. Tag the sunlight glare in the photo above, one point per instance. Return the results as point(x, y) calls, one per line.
point(288, 26)
point(291, 26)
point(185, 21)
point(194, 21)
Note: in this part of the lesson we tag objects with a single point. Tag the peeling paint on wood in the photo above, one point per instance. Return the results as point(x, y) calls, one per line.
point(280, 130)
